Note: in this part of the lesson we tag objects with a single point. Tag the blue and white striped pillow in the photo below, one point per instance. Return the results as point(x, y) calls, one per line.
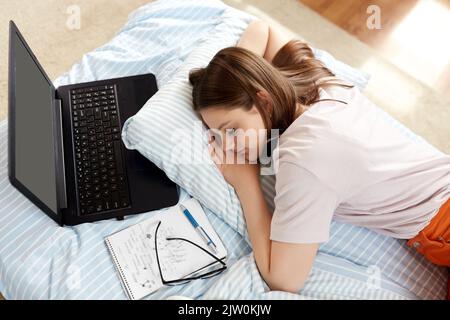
point(168, 132)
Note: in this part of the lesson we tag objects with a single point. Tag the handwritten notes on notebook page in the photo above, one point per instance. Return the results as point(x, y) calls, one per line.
point(133, 249)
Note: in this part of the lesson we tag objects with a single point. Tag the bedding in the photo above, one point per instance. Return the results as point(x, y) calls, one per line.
point(40, 260)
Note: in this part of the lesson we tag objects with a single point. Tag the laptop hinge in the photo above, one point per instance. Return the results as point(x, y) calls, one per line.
point(59, 160)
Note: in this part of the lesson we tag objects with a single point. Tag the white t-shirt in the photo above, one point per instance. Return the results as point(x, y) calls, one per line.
point(345, 161)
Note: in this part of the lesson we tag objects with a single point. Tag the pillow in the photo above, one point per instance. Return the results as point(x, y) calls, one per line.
point(157, 38)
point(168, 132)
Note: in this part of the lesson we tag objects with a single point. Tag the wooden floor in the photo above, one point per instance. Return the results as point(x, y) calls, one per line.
point(414, 34)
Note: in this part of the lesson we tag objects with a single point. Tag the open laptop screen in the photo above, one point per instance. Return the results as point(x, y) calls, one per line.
point(34, 140)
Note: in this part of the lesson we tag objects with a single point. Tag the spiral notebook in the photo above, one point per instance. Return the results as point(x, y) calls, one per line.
point(134, 256)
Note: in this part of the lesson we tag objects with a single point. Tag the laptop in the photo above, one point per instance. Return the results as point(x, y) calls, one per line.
point(65, 151)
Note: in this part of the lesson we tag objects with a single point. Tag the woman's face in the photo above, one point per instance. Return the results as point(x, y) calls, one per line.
point(236, 130)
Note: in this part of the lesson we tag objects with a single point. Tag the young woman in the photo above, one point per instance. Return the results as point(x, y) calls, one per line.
point(336, 157)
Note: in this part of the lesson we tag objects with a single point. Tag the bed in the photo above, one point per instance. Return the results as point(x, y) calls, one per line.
point(40, 260)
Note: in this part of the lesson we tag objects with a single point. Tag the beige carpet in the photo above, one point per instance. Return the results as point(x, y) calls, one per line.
point(43, 24)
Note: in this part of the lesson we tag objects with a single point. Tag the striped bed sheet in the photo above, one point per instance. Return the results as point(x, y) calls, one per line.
point(40, 260)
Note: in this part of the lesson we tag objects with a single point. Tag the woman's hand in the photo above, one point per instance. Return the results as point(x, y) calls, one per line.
point(239, 175)
point(283, 266)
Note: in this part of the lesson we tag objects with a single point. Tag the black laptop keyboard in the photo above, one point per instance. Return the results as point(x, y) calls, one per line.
point(100, 170)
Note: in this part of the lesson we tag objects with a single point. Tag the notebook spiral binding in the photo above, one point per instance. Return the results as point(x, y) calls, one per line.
point(119, 269)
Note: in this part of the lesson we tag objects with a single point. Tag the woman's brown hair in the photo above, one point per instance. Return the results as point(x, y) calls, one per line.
point(235, 75)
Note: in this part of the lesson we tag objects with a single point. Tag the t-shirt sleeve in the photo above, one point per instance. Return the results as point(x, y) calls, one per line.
point(304, 206)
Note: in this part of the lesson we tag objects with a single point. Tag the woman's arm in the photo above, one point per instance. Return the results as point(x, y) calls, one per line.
point(262, 39)
point(284, 266)
point(255, 37)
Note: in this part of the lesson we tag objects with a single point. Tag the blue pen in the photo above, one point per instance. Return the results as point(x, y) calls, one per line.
point(199, 229)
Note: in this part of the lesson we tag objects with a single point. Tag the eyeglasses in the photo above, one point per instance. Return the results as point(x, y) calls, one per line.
point(206, 275)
